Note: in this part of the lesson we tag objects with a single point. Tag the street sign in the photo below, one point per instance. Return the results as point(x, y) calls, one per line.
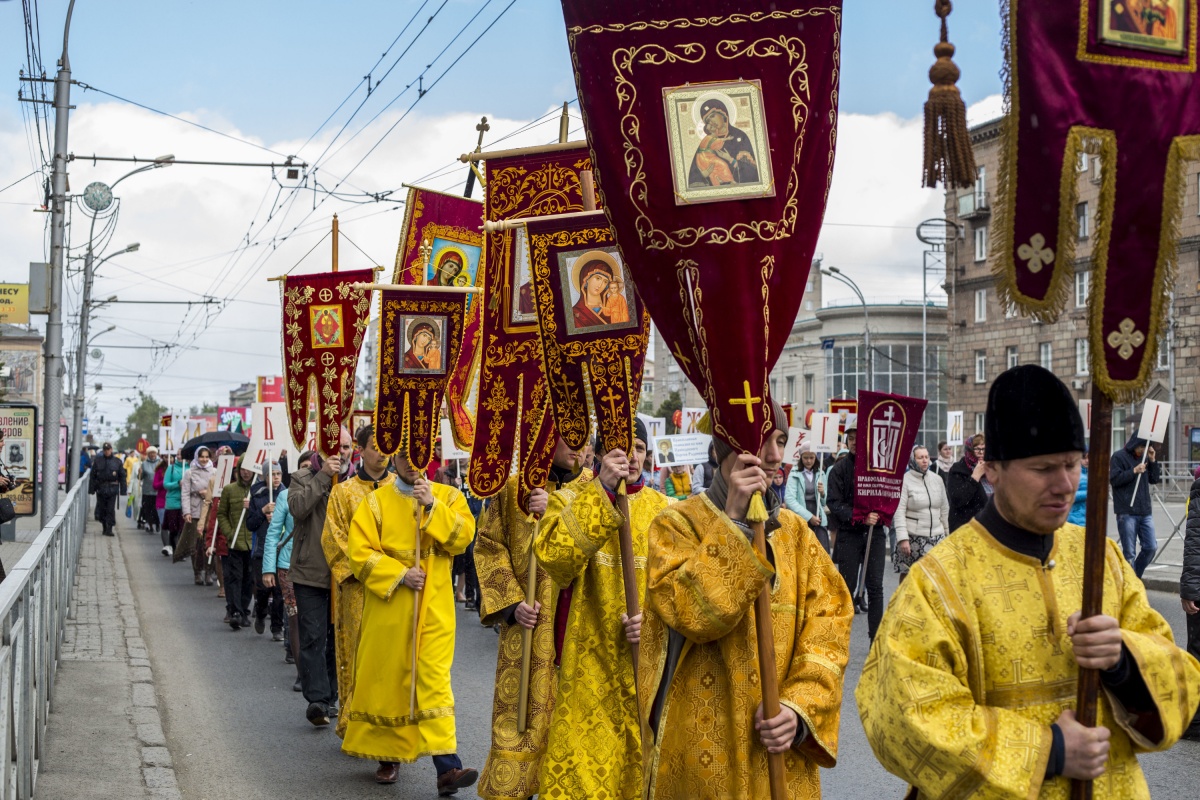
point(827, 344)
point(84, 427)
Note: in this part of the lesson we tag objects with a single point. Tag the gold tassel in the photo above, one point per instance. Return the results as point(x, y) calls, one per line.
point(758, 509)
point(948, 156)
point(705, 423)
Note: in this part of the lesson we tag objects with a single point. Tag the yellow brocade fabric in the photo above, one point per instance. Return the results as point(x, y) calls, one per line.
point(344, 500)
point(595, 745)
point(703, 578)
point(380, 723)
point(972, 664)
point(502, 563)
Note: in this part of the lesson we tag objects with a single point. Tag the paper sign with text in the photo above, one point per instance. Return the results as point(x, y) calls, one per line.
point(691, 418)
point(1155, 417)
point(824, 433)
point(450, 451)
point(672, 451)
point(1085, 411)
point(790, 450)
point(269, 435)
point(954, 428)
point(224, 472)
point(655, 426)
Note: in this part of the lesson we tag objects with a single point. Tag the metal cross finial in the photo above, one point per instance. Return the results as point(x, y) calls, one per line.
point(483, 128)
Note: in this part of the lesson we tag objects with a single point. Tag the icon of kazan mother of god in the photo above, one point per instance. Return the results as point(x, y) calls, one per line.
point(424, 350)
point(601, 287)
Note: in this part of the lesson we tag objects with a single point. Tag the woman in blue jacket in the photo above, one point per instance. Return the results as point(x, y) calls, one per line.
point(805, 493)
point(277, 560)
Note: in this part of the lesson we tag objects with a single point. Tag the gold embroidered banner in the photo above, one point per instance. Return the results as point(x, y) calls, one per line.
point(594, 330)
point(324, 319)
point(441, 245)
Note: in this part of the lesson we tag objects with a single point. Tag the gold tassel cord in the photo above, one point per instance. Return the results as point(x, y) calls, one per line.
point(758, 509)
point(948, 156)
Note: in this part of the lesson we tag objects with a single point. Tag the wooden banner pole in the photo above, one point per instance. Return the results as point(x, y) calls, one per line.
point(412, 701)
point(527, 633)
point(628, 568)
point(335, 243)
point(1095, 536)
point(766, 666)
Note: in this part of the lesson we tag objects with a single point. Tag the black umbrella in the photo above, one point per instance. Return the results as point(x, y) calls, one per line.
point(238, 442)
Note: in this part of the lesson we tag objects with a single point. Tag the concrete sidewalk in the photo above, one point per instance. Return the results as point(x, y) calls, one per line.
point(105, 737)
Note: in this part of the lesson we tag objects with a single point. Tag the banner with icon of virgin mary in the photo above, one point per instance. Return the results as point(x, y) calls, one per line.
point(324, 319)
point(420, 338)
point(712, 128)
point(887, 430)
point(441, 245)
point(594, 330)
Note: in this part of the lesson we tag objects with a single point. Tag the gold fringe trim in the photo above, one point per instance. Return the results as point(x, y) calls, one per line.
point(758, 509)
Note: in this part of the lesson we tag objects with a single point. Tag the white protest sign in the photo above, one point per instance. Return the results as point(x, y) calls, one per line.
point(1155, 416)
point(954, 428)
point(168, 445)
point(1085, 411)
point(795, 437)
point(683, 448)
point(690, 418)
point(270, 435)
point(824, 433)
point(450, 451)
point(655, 426)
point(224, 472)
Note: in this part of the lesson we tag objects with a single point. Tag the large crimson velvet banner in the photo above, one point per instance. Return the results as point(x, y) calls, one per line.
point(324, 319)
point(420, 338)
point(1096, 79)
point(441, 245)
point(594, 330)
point(513, 423)
point(887, 429)
point(712, 127)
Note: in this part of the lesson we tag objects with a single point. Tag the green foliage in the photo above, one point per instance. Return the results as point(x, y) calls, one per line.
point(142, 421)
point(667, 410)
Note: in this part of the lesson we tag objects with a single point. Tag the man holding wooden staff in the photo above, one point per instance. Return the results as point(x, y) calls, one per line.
point(401, 545)
point(970, 687)
point(595, 744)
point(698, 680)
point(503, 552)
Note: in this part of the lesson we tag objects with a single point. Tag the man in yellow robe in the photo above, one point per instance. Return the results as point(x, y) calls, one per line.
point(382, 723)
point(344, 500)
point(502, 557)
point(595, 745)
point(970, 687)
point(698, 680)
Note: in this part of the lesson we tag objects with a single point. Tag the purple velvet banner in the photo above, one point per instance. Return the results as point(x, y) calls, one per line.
point(887, 429)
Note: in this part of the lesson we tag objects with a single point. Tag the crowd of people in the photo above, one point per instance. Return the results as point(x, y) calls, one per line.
point(357, 563)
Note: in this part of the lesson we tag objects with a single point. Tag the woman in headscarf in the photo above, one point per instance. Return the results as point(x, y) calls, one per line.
point(967, 486)
point(195, 491)
point(923, 516)
point(805, 493)
point(945, 460)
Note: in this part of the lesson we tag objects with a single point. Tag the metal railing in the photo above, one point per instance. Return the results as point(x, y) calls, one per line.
point(1175, 482)
point(34, 599)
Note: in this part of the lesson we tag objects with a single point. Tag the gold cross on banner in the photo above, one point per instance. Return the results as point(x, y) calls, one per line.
point(681, 358)
point(746, 401)
point(611, 398)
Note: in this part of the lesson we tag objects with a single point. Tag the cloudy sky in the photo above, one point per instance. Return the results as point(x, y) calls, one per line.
point(287, 78)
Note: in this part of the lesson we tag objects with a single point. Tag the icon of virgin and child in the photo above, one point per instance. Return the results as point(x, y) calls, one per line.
point(725, 156)
point(424, 346)
point(598, 279)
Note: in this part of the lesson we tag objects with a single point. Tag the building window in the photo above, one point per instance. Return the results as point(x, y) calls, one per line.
point(980, 419)
point(981, 242)
point(808, 305)
point(1082, 164)
point(980, 187)
point(1096, 169)
point(774, 388)
point(809, 389)
point(1083, 288)
point(1046, 356)
point(791, 388)
point(981, 366)
point(1164, 355)
point(896, 369)
point(1081, 356)
point(1118, 429)
point(1081, 220)
point(1013, 357)
point(981, 305)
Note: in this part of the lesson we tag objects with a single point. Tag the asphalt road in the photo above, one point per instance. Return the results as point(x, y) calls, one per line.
point(235, 727)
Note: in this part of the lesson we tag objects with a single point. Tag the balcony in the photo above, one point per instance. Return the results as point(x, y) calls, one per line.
point(975, 205)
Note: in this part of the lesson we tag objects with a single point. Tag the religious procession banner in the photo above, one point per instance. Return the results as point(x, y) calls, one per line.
point(887, 429)
point(441, 245)
point(513, 427)
point(712, 132)
point(420, 336)
point(324, 319)
point(1094, 79)
point(594, 330)
point(168, 445)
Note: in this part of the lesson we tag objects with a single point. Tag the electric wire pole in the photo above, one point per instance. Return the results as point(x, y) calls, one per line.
point(52, 396)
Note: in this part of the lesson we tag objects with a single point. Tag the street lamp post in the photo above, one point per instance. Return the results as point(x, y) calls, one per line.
point(97, 197)
point(834, 272)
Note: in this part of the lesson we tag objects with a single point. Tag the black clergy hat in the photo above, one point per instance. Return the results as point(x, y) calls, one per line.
point(639, 431)
point(1030, 413)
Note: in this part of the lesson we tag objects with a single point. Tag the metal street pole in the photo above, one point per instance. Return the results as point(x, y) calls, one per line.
point(52, 389)
point(834, 272)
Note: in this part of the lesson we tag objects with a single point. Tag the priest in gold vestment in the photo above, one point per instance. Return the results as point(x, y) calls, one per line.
point(344, 500)
point(382, 724)
point(698, 674)
point(595, 744)
point(970, 687)
point(502, 555)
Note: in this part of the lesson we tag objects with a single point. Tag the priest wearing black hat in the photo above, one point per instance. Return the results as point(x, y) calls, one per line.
point(969, 688)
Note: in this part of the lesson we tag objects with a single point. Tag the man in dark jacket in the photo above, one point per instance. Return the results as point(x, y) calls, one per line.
point(258, 518)
point(1135, 516)
point(851, 544)
point(108, 481)
point(1189, 587)
point(308, 497)
point(231, 520)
